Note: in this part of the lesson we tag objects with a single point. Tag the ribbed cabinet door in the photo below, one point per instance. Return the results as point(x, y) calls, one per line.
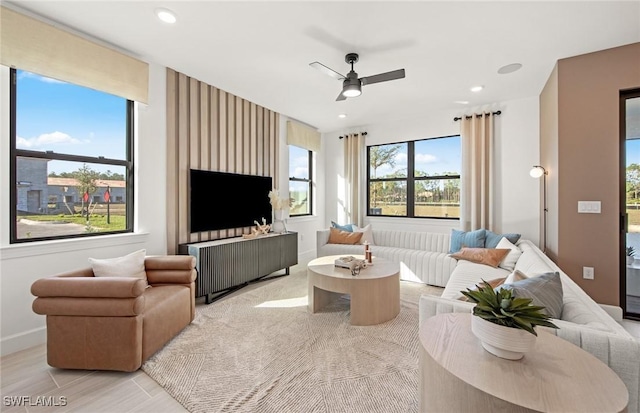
point(270, 251)
point(289, 253)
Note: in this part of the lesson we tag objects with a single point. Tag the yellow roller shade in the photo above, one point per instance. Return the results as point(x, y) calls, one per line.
point(38, 47)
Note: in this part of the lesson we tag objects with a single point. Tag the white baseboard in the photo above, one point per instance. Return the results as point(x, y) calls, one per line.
point(23, 341)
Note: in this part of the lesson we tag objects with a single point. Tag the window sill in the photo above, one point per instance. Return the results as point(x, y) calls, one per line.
point(66, 245)
point(304, 218)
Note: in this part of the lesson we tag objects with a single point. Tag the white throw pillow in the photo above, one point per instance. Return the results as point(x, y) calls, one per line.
point(131, 265)
point(509, 262)
point(367, 234)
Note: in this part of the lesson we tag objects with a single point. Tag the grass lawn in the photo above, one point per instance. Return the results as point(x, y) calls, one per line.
point(634, 216)
point(97, 221)
point(441, 211)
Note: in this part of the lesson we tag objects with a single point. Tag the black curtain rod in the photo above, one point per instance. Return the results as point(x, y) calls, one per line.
point(477, 114)
point(361, 133)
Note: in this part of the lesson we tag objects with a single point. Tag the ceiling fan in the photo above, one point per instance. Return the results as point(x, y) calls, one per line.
point(352, 85)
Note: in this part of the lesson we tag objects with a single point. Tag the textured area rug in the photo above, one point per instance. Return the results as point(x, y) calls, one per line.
point(262, 351)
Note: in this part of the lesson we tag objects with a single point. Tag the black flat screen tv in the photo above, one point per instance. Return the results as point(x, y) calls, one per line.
point(223, 200)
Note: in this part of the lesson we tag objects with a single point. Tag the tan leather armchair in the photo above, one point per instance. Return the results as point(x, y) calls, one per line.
point(115, 323)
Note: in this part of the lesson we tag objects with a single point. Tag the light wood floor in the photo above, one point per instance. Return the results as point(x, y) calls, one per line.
point(26, 373)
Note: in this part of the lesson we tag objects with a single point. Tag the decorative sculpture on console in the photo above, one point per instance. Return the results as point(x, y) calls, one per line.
point(260, 229)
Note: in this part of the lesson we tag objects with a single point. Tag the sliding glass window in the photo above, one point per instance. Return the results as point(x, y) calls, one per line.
point(300, 181)
point(415, 179)
point(70, 160)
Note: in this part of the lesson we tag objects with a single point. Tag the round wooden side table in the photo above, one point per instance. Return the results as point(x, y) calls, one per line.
point(458, 375)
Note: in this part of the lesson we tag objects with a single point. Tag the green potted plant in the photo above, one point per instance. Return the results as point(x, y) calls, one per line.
point(504, 323)
point(630, 255)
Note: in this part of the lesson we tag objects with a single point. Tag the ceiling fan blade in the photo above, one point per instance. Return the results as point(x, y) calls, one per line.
point(327, 70)
point(383, 77)
point(341, 97)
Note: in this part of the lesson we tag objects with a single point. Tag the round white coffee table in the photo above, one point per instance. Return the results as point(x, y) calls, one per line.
point(375, 292)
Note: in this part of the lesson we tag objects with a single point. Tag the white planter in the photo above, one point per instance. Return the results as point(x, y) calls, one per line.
point(504, 342)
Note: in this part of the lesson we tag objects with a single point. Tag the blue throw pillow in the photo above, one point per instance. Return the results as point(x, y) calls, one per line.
point(492, 239)
point(471, 239)
point(346, 227)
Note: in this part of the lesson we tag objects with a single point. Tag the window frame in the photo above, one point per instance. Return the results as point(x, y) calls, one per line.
point(15, 153)
point(410, 180)
point(309, 182)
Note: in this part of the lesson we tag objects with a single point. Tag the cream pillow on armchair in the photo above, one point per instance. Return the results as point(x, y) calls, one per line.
point(131, 265)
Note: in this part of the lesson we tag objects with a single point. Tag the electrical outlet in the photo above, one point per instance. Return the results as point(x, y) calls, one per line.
point(587, 273)
point(301, 237)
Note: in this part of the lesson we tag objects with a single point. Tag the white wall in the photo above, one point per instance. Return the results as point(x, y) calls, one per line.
point(516, 150)
point(307, 226)
point(22, 264)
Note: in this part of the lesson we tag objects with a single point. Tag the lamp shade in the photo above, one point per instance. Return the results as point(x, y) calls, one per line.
point(351, 87)
point(537, 171)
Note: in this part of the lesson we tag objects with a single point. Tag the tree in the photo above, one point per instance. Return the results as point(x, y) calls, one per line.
point(378, 156)
point(86, 178)
point(382, 155)
point(633, 180)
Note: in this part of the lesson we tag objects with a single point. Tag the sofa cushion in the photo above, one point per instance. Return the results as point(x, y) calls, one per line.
point(130, 265)
point(337, 236)
point(530, 263)
point(492, 239)
point(487, 256)
point(470, 239)
point(544, 290)
point(509, 262)
point(467, 274)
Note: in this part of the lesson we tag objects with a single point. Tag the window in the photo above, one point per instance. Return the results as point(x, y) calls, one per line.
point(68, 145)
point(415, 179)
point(300, 183)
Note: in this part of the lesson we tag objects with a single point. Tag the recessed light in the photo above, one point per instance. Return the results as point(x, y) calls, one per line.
point(462, 102)
point(477, 88)
point(342, 115)
point(509, 68)
point(166, 15)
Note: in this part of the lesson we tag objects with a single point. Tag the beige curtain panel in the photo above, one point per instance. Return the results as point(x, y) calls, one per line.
point(35, 46)
point(476, 193)
point(354, 158)
point(303, 136)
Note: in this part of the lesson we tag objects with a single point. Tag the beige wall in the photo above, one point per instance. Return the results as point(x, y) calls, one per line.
point(587, 166)
point(210, 129)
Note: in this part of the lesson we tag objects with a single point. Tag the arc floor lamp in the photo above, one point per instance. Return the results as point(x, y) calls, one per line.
point(536, 172)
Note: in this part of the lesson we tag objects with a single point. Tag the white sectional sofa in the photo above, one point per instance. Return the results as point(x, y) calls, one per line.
point(424, 257)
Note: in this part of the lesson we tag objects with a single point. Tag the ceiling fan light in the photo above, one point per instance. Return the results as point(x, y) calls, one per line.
point(351, 86)
point(351, 91)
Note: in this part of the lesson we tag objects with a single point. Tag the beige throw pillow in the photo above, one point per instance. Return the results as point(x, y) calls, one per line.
point(131, 265)
point(367, 234)
point(509, 262)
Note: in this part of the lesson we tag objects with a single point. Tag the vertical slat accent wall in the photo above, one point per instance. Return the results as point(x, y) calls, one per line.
point(210, 129)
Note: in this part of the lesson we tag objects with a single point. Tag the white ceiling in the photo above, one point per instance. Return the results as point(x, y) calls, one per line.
point(261, 50)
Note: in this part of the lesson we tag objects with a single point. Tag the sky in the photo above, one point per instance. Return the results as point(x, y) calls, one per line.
point(66, 118)
point(633, 151)
point(433, 156)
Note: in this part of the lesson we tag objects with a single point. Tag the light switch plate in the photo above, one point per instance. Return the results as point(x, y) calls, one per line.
point(589, 207)
point(587, 273)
